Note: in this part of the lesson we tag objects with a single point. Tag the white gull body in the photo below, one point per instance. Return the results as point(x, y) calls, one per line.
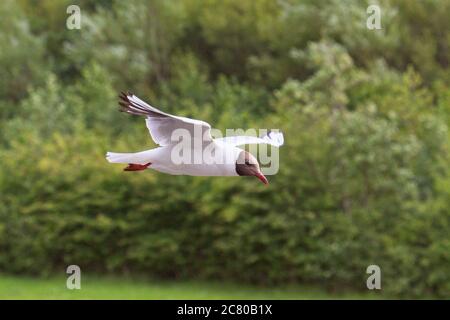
point(161, 159)
point(192, 151)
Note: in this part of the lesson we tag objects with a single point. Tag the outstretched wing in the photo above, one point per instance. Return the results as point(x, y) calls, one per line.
point(273, 138)
point(161, 125)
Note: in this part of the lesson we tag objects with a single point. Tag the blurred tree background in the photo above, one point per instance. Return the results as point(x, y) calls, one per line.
point(364, 175)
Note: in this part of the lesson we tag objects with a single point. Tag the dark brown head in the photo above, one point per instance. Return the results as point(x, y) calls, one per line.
point(247, 165)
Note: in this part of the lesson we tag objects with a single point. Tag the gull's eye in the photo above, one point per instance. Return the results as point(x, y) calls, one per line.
point(247, 162)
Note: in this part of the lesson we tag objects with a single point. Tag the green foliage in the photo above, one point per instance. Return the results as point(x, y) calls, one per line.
point(21, 56)
point(364, 175)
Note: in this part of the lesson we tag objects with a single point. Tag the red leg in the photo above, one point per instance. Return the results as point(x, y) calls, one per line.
point(136, 167)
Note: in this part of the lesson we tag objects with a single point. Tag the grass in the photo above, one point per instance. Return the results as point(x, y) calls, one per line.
point(15, 287)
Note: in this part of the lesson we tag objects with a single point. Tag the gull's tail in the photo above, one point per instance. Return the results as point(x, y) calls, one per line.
point(137, 158)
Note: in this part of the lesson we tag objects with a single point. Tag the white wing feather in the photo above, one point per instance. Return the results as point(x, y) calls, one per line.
point(161, 125)
point(274, 138)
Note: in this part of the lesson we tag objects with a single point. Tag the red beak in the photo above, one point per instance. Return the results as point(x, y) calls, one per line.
point(261, 177)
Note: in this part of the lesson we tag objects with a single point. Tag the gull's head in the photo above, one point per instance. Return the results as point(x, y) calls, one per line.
point(247, 165)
